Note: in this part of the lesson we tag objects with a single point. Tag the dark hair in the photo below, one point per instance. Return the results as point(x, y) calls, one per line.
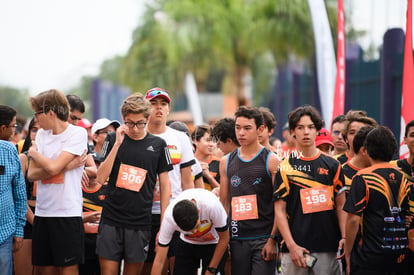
point(200, 131)
point(6, 114)
point(307, 110)
point(268, 117)
point(75, 103)
point(185, 214)
point(359, 116)
point(360, 136)
point(250, 113)
point(179, 126)
point(28, 141)
point(340, 118)
point(408, 126)
point(224, 129)
point(381, 144)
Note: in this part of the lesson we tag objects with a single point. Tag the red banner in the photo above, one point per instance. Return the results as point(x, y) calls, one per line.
point(339, 96)
point(407, 113)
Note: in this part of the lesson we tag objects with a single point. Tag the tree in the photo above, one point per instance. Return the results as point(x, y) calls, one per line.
point(232, 35)
point(17, 99)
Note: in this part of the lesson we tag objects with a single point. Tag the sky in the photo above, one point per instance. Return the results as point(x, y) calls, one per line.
point(53, 43)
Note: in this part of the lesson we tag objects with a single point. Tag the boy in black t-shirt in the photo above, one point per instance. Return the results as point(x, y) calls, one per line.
point(308, 200)
point(133, 161)
point(378, 202)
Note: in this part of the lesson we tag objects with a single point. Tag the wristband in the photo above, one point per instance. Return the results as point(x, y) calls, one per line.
point(211, 269)
point(273, 237)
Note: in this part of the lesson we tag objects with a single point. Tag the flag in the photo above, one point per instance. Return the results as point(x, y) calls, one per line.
point(325, 57)
point(192, 98)
point(339, 95)
point(407, 112)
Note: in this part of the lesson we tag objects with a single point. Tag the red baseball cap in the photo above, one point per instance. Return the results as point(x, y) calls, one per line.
point(157, 92)
point(84, 123)
point(323, 136)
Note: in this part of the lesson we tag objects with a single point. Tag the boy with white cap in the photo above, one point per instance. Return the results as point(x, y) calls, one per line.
point(100, 129)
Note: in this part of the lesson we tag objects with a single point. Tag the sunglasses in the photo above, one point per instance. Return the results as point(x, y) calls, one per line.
point(156, 92)
point(75, 117)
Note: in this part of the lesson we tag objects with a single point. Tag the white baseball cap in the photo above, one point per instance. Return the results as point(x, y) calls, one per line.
point(103, 123)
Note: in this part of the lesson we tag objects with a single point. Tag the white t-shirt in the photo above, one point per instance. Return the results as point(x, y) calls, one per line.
point(196, 168)
point(181, 153)
point(212, 216)
point(61, 199)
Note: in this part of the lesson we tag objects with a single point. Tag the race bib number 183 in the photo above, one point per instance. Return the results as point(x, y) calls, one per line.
point(244, 208)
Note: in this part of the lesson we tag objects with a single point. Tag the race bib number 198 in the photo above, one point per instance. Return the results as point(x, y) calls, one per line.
point(316, 199)
point(130, 177)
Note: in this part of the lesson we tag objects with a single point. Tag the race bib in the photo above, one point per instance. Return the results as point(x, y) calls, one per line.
point(316, 199)
point(34, 193)
point(130, 177)
point(157, 191)
point(90, 227)
point(58, 179)
point(244, 208)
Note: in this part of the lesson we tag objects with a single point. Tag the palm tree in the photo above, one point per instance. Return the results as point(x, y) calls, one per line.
point(231, 35)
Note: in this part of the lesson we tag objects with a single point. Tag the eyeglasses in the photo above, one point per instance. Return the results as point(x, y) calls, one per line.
point(139, 124)
point(73, 117)
point(105, 132)
point(14, 125)
point(38, 113)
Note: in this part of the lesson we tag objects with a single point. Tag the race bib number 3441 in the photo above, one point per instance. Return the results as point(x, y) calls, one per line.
point(131, 177)
point(316, 199)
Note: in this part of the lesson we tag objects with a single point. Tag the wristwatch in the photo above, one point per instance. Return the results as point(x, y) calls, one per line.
point(273, 237)
point(212, 269)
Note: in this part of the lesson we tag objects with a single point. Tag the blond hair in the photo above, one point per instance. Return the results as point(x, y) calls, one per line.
point(136, 104)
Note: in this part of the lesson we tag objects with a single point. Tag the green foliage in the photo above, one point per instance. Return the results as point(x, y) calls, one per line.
point(17, 99)
point(231, 36)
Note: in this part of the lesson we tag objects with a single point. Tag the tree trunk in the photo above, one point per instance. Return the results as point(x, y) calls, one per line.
point(242, 85)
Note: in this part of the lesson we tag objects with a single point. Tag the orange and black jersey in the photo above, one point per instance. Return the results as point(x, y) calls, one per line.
point(317, 231)
point(214, 168)
point(349, 172)
point(343, 158)
point(404, 165)
point(380, 194)
point(93, 200)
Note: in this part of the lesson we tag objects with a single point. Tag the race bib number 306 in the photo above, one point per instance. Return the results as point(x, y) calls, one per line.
point(316, 199)
point(131, 177)
point(244, 208)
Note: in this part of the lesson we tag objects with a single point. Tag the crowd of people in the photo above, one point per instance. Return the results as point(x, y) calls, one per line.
point(147, 195)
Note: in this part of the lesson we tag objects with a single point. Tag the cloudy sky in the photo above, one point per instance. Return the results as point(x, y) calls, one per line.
point(52, 43)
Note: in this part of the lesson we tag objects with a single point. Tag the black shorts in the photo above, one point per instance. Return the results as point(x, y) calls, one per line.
point(28, 230)
point(117, 243)
point(188, 256)
point(58, 241)
point(173, 244)
point(155, 227)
